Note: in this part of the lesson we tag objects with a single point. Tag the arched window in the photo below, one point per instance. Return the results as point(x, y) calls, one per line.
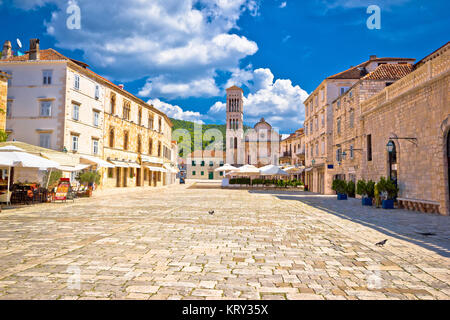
point(139, 144)
point(150, 146)
point(113, 103)
point(111, 138)
point(125, 140)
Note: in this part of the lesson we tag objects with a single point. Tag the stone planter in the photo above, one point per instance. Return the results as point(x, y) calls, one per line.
point(366, 201)
point(341, 196)
point(387, 204)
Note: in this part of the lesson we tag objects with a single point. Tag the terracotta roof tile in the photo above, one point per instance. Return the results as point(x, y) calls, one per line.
point(359, 71)
point(234, 88)
point(389, 72)
point(45, 54)
point(53, 55)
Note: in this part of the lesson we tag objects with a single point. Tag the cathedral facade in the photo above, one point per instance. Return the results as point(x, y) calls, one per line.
point(258, 146)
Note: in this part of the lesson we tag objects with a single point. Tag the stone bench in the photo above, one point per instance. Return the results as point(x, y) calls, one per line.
point(425, 206)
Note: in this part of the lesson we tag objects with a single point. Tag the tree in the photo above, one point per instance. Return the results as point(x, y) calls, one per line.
point(3, 135)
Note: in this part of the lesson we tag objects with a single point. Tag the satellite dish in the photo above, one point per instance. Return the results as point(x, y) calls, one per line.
point(19, 43)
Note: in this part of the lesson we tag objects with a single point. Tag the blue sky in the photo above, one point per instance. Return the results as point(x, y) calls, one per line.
point(181, 55)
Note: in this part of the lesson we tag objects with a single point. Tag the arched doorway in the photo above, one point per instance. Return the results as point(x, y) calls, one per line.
point(392, 161)
point(448, 162)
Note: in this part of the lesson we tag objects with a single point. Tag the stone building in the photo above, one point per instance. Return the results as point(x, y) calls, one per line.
point(347, 129)
point(59, 103)
point(258, 146)
point(138, 141)
point(406, 134)
point(292, 149)
point(201, 164)
point(4, 78)
point(262, 145)
point(319, 122)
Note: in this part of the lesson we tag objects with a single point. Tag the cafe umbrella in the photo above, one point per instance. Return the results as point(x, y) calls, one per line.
point(12, 156)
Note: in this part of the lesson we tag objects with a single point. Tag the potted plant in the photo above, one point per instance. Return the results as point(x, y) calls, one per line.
point(340, 187)
point(388, 190)
point(362, 190)
point(90, 177)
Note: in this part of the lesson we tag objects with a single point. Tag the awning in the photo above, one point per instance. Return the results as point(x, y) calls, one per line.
point(133, 165)
point(64, 159)
point(152, 159)
point(120, 164)
point(156, 169)
point(308, 169)
point(73, 169)
point(13, 157)
point(97, 161)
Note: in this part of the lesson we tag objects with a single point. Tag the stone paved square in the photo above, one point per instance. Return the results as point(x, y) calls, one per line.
point(161, 243)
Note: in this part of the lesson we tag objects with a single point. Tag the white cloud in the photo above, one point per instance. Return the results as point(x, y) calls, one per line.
point(279, 102)
point(166, 87)
point(285, 39)
point(283, 4)
point(179, 41)
point(176, 112)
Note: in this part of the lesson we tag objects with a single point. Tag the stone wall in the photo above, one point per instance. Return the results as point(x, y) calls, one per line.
point(3, 101)
point(417, 106)
point(136, 132)
point(351, 135)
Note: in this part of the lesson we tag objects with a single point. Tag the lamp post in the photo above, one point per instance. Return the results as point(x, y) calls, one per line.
point(390, 146)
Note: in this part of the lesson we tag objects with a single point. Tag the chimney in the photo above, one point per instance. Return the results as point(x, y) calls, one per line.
point(34, 52)
point(373, 57)
point(121, 86)
point(7, 53)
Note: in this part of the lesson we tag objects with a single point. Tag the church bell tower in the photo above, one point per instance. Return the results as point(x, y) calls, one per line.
point(235, 128)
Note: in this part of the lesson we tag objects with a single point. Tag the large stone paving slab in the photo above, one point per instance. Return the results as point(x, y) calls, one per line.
point(162, 244)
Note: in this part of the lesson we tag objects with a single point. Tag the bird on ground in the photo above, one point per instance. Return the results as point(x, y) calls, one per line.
point(381, 243)
point(211, 212)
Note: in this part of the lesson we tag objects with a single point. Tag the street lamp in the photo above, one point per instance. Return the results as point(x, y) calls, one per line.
point(390, 146)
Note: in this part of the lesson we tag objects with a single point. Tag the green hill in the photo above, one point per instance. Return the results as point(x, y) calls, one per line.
point(206, 141)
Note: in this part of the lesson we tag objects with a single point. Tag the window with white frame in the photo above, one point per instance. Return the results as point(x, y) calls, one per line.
point(74, 140)
point(339, 155)
point(97, 91)
point(76, 82)
point(46, 109)
point(352, 118)
point(44, 140)
point(95, 146)
point(9, 108)
point(150, 123)
point(343, 90)
point(47, 77)
point(96, 118)
point(75, 112)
